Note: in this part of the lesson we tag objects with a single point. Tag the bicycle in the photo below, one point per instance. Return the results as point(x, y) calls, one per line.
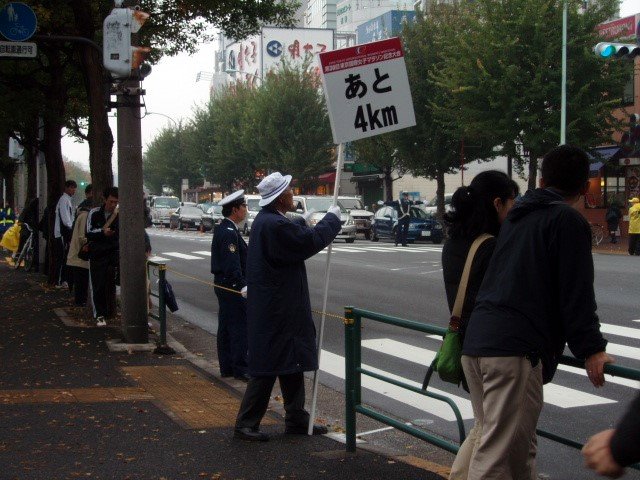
point(597, 234)
point(27, 253)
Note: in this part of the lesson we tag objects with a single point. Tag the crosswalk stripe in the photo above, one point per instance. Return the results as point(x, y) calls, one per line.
point(563, 397)
point(182, 255)
point(580, 371)
point(159, 259)
point(206, 253)
point(345, 249)
point(618, 330)
point(334, 365)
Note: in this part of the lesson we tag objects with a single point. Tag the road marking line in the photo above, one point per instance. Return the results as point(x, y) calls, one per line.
point(159, 259)
point(346, 249)
point(618, 330)
point(334, 365)
point(182, 255)
point(430, 271)
point(203, 252)
point(378, 430)
point(563, 397)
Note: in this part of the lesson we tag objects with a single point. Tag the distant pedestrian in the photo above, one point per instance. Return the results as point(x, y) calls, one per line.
point(537, 296)
point(613, 217)
point(87, 203)
point(282, 335)
point(228, 265)
point(634, 226)
point(62, 231)
point(404, 218)
point(103, 233)
point(609, 451)
point(78, 267)
point(477, 209)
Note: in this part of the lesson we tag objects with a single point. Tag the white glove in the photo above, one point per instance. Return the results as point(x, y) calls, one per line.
point(243, 292)
point(335, 210)
point(307, 216)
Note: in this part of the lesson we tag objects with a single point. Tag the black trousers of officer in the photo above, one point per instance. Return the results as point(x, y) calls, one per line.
point(103, 282)
point(232, 333)
point(402, 230)
point(256, 400)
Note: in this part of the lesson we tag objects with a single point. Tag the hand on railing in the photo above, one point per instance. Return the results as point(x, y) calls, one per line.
point(594, 365)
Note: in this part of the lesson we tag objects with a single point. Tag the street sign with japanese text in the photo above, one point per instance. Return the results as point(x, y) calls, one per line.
point(18, 22)
point(367, 90)
point(18, 49)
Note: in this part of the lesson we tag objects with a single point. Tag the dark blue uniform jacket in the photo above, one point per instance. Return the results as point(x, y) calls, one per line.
point(282, 336)
point(228, 256)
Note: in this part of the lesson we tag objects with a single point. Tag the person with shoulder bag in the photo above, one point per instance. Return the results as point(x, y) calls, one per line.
point(473, 223)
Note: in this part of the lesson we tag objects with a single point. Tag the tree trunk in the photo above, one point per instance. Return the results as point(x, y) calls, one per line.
point(440, 186)
point(100, 135)
point(533, 172)
point(388, 184)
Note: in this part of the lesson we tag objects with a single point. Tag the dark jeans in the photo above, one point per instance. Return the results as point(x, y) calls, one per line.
point(256, 400)
point(232, 333)
point(634, 240)
point(60, 250)
point(402, 230)
point(80, 285)
point(103, 283)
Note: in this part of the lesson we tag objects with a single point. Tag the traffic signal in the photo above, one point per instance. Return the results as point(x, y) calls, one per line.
point(119, 57)
point(617, 50)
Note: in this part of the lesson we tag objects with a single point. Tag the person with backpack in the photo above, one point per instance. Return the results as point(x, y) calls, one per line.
point(477, 211)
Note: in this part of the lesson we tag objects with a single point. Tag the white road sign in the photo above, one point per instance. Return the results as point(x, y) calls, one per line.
point(18, 49)
point(367, 90)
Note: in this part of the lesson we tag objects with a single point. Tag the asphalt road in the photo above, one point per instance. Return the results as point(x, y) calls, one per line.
point(407, 283)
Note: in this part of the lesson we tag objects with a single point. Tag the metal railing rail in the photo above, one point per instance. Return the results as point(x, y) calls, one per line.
point(354, 372)
point(161, 317)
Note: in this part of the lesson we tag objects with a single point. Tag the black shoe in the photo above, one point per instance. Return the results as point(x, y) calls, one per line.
point(250, 435)
point(302, 430)
point(243, 378)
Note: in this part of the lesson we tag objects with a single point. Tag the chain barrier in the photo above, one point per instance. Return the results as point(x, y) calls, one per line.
point(212, 284)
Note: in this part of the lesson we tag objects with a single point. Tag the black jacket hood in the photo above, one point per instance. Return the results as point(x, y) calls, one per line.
point(534, 200)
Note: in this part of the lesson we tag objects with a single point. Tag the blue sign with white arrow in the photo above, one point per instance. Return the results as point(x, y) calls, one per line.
point(17, 22)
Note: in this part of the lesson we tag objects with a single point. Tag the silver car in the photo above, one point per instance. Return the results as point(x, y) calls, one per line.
point(361, 216)
point(252, 210)
point(319, 206)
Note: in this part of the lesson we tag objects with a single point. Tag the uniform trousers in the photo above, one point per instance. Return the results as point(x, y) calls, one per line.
point(402, 230)
point(634, 244)
point(60, 250)
point(102, 272)
point(256, 400)
point(232, 333)
point(506, 396)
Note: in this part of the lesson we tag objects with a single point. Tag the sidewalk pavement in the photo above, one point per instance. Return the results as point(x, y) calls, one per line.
point(621, 247)
point(70, 407)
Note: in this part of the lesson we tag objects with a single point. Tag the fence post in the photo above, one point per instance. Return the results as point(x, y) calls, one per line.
point(350, 367)
point(162, 347)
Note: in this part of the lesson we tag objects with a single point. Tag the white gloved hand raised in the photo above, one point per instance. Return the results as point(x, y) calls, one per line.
point(335, 210)
point(243, 292)
point(307, 216)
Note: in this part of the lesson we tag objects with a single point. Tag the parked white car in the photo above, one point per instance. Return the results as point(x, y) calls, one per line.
point(319, 205)
point(361, 216)
point(162, 207)
point(252, 210)
point(432, 207)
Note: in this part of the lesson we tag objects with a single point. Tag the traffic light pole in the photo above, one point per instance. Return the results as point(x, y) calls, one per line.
point(133, 284)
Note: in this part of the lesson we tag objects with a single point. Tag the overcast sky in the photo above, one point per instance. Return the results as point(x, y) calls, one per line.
point(172, 90)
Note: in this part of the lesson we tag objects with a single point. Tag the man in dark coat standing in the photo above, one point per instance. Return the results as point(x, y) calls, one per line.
point(281, 332)
point(228, 265)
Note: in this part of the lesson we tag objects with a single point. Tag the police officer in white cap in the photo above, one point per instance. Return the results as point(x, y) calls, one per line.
point(228, 265)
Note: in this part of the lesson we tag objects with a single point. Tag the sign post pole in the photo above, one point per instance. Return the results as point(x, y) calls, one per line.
point(367, 92)
point(327, 269)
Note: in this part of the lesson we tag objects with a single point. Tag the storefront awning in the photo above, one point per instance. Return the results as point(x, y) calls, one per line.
point(327, 177)
point(366, 178)
point(601, 155)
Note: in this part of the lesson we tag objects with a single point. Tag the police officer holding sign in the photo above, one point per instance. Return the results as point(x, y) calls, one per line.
point(228, 265)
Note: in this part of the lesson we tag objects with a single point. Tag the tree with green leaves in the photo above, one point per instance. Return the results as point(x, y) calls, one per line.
point(503, 76)
point(433, 147)
point(288, 125)
point(381, 152)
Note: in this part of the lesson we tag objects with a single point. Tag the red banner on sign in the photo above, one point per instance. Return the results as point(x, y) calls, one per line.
point(360, 55)
point(621, 28)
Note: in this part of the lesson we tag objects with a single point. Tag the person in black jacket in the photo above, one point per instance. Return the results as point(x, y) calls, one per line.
point(477, 209)
point(228, 265)
point(609, 451)
point(104, 252)
point(537, 296)
point(613, 217)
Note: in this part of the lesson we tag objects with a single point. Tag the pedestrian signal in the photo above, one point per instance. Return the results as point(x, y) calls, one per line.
point(119, 56)
point(617, 50)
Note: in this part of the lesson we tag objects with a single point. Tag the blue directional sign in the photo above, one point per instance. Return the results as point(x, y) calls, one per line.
point(17, 22)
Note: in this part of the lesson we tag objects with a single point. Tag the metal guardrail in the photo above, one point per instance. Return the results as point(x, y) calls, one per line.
point(354, 372)
point(161, 268)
